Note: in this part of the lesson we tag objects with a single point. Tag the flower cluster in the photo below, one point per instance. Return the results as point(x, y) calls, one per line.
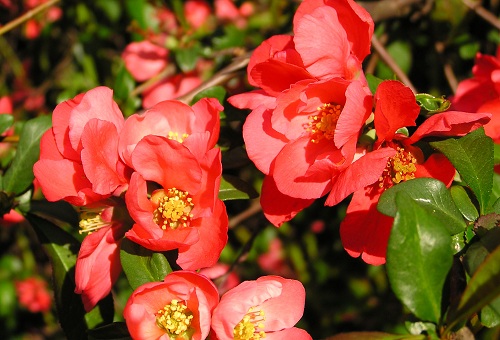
point(316, 129)
point(186, 306)
point(124, 175)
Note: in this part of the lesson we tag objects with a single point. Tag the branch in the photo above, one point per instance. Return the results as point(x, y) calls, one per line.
point(219, 78)
point(387, 9)
point(26, 16)
point(386, 58)
point(483, 13)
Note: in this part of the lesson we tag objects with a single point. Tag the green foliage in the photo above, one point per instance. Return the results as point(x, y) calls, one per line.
point(482, 288)
point(62, 250)
point(233, 188)
point(419, 256)
point(6, 122)
point(432, 196)
point(142, 265)
point(19, 175)
point(472, 156)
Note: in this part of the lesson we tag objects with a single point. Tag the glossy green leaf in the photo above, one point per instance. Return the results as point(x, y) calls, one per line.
point(482, 289)
point(19, 175)
point(6, 121)
point(401, 52)
point(463, 203)
point(142, 265)
point(62, 250)
point(432, 196)
point(472, 156)
point(419, 257)
point(233, 188)
point(217, 92)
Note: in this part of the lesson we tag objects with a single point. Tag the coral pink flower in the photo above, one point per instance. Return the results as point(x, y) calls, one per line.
point(170, 88)
point(184, 212)
point(220, 275)
point(144, 59)
point(98, 264)
point(481, 92)
point(79, 159)
point(34, 295)
point(312, 105)
point(266, 308)
point(364, 230)
point(196, 12)
point(180, 307)
point(273, 261)
point(226, 10)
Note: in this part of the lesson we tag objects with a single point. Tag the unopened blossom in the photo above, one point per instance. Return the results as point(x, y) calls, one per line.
point(268, 307)
point(33, 294)
point(180, 307)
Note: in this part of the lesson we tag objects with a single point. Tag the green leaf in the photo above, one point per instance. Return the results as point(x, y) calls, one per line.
point(463, 202)
point(419, 257)
point(472, 156)
point(233, 188)
point(6, 122)
point(187, 58)
point(432, 196)
point(124, 83)
point(217, 92)
point(19, 175)
point(142, 265)
point(482, 289)
point(400, 50)
point(62, 250)
point(373, 82)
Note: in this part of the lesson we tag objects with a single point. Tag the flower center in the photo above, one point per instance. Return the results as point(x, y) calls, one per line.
point(175, 136)
point(248, 327)
point(324, 123)
point(91, 220)
point(175, 318)
point(173, 208)
point(401, 167)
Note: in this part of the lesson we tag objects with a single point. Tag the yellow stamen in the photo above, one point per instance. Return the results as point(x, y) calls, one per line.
point(173, 208)
point(175, 319)
point(401, 167)
point(91, 220)
point(324, 123)
point(175, 136)
point(250, 327)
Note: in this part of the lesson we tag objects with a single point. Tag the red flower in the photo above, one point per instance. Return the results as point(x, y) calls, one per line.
point(180, 307)
point(98, 264)
point(170, 88)
point(144, 59)
point(184, 211)
point(481, 93)
point(268, 307)
point(79, 159)
point(33, 294)
point(309, 112)
point(364, 230)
